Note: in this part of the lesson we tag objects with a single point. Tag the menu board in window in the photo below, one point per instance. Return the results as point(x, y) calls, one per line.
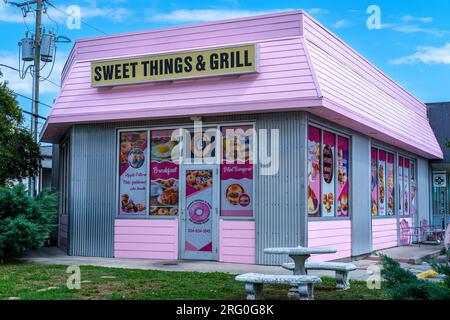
point(406, 201)
point(236, 172)
point(314, 178)
point(328, 169)
point(164, 173)
point(382, 183)
point(133, 172)
point(400, 185)
point(342, 177)
point(374, 182)
point(390, 184)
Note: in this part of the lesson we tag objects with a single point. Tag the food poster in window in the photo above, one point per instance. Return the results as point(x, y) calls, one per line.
point(328, 170)
point(413, 188)
point(236, 172)
point(164, 173)
point(342, 179)
point(199, 209)
point(400, 185)
point(133, 172)
point(374, 182)
point(200, 146)
point(406, 203)
point(382, 183)
point(390, 184)
point(314, 178)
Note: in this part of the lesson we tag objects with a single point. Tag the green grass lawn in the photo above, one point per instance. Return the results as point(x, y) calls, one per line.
point(32, 281)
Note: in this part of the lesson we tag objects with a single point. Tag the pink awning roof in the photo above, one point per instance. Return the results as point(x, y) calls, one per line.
point(303, 66)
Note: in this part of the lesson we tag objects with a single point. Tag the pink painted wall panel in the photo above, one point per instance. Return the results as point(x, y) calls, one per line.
point(146, 238)
point(384, 233)
point(331, 234)
point(237, 241)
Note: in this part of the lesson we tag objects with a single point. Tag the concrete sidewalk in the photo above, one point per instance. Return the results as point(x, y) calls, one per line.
point(52, 255)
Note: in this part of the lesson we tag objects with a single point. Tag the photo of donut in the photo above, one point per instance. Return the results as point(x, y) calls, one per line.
point(233, 193)
point(202, 145)
point(132, 147)
point(199, 179)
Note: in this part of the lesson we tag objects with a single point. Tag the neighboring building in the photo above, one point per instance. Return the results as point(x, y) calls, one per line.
point(45, 175)
point(439, 117)
point(354, 146)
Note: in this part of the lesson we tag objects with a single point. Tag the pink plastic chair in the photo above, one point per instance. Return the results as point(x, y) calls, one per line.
point(405, 233)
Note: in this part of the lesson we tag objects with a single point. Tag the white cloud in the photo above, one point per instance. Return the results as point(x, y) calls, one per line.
point(9, 13)
point(24, 86)
point(341, 24)
point(409, 18)
point(209, 15)
point(427, 55)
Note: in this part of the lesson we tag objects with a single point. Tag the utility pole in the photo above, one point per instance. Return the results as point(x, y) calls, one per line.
point(35, 68)
point(36, 78)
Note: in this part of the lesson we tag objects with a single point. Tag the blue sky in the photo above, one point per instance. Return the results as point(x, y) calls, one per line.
point(412, 46)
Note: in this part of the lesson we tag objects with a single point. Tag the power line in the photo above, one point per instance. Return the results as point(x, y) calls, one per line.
point(82, 21)
point(43, 79)
point(31, 99)
point(35, 115)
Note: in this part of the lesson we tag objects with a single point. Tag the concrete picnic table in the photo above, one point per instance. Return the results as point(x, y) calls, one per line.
point(299, 255)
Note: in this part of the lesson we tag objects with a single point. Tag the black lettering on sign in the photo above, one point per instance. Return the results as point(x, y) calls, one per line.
point(188, 64)
point(327, 164)
point(178, 65)
point(98, 74)
point(108, 72)
point(224, 60)
point(133, 69)
point(145, 66)
point(126, 70)
point(246, 59)
point(214, 61)
point(117, 71)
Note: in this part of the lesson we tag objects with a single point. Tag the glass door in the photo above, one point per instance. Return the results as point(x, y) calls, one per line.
point(199, 215)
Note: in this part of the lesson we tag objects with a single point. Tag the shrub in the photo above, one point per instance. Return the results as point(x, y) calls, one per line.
point(402, 284)
point(25, 222)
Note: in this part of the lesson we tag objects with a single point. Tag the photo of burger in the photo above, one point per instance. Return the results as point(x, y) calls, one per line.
point(233, 192)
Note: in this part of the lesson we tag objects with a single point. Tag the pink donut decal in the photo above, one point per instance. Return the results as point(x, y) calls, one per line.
point(199, 211)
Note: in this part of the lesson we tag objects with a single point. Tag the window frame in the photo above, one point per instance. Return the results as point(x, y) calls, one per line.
point(183, 126)
point(338, 133)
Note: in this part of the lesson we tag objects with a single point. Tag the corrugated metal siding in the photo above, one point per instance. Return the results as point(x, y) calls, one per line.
point(360, 195)
point(423, 190)
point(92, 190)
point(280, 210)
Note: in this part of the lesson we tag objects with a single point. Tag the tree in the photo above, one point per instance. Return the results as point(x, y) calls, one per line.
point(19, 154)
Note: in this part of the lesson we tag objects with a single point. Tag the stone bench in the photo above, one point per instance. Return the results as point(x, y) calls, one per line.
point(342, 270)
point(304, 284)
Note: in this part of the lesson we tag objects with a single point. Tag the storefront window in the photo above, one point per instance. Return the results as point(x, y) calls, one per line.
point(200, 147)
point(328, 183)
point(342, 179)
point(390, 184)
point(328, 169)
point(374, 182)
point(400, 185)
point(407, 185)
point(382, 183)
point(133, 173)
point(236, 171)
point(413, 188)
point(164, 173)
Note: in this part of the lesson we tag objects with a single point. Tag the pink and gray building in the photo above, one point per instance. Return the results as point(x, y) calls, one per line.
point(350, 147)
